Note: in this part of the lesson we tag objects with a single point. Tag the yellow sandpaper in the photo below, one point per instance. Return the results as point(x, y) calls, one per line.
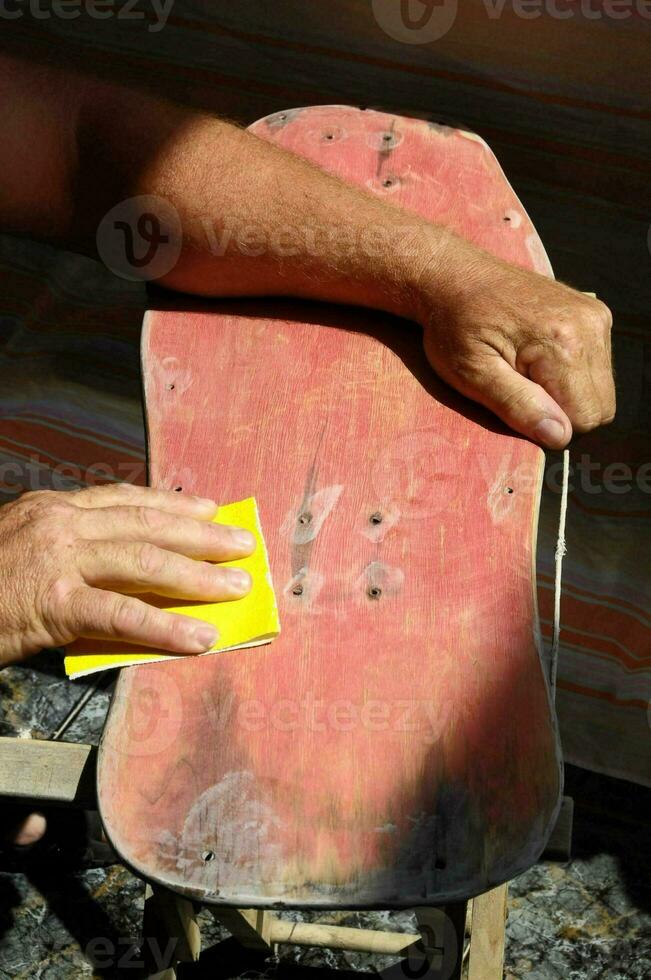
point(245, 622)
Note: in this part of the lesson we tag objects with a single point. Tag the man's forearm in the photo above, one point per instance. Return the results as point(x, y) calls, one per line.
point(249, 218)
point(256, 220)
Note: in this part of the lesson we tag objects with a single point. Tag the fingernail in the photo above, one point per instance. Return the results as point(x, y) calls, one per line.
point(205, 637)
point(207, 503)
point(239, 580)
point(551, 432)
point(243, 540)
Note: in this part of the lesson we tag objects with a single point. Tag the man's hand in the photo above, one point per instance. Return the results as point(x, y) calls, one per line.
point(63, 553)
point(531, 349)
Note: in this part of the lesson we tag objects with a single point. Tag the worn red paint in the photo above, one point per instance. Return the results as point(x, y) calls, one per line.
point(395, 746)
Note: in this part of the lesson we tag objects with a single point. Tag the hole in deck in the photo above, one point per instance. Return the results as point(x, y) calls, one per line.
point(374, 592)
point(208, 856)
point(376, 518)
point(305, 518)
point(297, 590)
point(508, 490)
point(178, 489)
point(170, 387)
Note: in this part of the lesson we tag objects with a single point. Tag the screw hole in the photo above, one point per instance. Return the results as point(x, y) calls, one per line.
point(508, 490)
point(374, 592)
point(297, 590)
point(170, 387)
point(387, 137)
point(208, 856)
point(387, 183)
point(178, 489)
point(376, 518)
point(506, 218)
point(329, 136)
point(305, 519)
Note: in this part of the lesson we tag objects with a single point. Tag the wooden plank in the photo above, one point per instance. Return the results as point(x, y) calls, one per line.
point(251, 927)
point(395, 746)
point(170, 933)
point(380, 942)
point(487, 935)
point(53, 772)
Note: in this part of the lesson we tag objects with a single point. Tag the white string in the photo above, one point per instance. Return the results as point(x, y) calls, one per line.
point(561, 548)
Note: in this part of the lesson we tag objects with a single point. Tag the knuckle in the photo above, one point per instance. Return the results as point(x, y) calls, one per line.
point(150, 560)
point(58, 609)
point(567, 342)
point(151, 521)
point(176, 627)
point(603, 315)
point(47, 514)
point(597, 319)
point(55, 594)
point(586, 422)
point(88, 494)
point(469, 365)
point(127, 616)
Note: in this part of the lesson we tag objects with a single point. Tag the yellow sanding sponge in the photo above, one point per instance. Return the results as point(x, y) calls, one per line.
point(245, 622)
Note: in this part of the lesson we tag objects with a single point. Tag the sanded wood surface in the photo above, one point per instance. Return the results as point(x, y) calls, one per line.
point(395, 745)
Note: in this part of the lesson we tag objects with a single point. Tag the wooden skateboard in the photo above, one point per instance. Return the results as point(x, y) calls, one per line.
point(395, 746)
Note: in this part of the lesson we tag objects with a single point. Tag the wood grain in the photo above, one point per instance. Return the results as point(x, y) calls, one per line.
point(395, 746)
point(56, 772)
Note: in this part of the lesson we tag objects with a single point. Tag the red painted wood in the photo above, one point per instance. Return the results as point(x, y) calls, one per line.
point(395, 746)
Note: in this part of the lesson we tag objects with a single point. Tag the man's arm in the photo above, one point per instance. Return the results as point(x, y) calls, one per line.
point(532, 350)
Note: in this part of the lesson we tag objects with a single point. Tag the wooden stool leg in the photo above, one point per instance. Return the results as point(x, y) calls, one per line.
point(251, 927)
point(487, 935)
point(170, 933)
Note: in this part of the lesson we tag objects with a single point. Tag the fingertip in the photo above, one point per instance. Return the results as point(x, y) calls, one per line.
point(552, 433)
point(202, 639)
point(242, 540)
point(205, 506)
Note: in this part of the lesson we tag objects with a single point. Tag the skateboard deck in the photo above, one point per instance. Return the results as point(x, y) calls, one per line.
point(395, 746)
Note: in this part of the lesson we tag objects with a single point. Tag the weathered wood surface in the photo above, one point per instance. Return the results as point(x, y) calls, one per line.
point(487, 937)
point(395, 746)
point(52, 772)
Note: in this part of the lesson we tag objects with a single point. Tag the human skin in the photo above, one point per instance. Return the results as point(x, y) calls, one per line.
point(532, 350)
point(72, 563)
